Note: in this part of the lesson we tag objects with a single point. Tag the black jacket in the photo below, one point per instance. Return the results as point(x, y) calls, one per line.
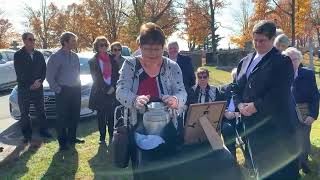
point(99, 99)
point(185, 64)
point(29, 70)
point(305, 90)
point(273, 129)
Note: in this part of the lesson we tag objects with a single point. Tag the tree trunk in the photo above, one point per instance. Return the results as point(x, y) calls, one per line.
point(213, 31)
point(293, 19)
point(311, 64)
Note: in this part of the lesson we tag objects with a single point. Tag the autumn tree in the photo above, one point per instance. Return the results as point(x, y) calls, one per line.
point(41, 21)
point(315, 18)
point(5, 31)
point(197, 30)
point(243, 20)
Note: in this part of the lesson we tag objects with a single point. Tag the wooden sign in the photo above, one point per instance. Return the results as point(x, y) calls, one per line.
point(200, 116)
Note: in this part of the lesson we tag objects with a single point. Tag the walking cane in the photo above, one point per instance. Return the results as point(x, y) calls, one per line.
point(253, 172)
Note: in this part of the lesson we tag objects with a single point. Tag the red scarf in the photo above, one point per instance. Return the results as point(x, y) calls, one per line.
point(106, 65)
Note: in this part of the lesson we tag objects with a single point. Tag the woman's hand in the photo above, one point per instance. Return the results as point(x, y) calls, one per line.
point(141, 101)
point(171, 101)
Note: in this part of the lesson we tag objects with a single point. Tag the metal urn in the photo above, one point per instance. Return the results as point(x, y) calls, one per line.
point(155, 118)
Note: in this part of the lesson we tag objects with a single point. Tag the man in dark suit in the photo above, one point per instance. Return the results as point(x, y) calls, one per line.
point(306, 95)
point(267, 107)
point(30, 68)
point(189, 79)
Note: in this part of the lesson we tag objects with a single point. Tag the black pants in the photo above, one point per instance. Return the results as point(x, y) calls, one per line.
point(229, 135)
point(105, 118)
point(25, 97)
point(68, 103)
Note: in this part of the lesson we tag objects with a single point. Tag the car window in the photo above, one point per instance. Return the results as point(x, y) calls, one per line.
point(84, 66)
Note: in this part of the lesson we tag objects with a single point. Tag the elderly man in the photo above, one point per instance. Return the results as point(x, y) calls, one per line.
point(30, 68)
point(267, 108)
point(281, 42)
point(307, 100)
point(63, 76)
point(189, 79)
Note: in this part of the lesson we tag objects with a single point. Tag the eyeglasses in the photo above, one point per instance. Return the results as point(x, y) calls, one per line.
point(152, 49)
point(103, 45)
point(31, 39)
point(116, 49)
point(202, 76)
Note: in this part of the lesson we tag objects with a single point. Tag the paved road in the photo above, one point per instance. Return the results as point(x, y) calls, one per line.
point(5, 118)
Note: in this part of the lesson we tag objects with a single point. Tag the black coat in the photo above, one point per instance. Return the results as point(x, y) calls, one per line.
point(28, 70)
point(185, 64)
point(273, 128)
point(99, 99)
point(305, 90)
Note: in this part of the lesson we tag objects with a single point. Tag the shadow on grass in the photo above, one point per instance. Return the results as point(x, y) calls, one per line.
point(314, 164)
point(102, 167)
point(64, 165)
point(14, 170)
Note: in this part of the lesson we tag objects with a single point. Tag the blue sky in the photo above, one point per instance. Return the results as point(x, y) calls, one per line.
point(14, 11)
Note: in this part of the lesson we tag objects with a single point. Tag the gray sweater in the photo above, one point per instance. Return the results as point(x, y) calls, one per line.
point(128, 83)
point(63, 69)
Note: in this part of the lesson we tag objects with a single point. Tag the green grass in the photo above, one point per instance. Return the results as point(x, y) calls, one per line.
point(89, 161)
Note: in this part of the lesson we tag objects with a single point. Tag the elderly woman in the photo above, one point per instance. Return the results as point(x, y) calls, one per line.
point(307, 100)
point(116, 49)
point(281, 42)
point(146, 78)
point(104, 71)
point(203, 93)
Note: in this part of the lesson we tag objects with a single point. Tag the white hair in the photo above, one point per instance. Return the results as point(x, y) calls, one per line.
point(173, 43)
point(294, 54)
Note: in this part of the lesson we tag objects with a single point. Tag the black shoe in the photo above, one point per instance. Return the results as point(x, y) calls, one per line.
point(306, 169)
point(45, 134)
point(63, 148)
point(26, 140)
point(102, 142)
point(77, 141)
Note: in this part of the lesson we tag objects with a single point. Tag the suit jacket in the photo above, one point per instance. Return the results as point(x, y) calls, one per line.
point(99, 99)
point(305, 90)
point(185, 64)
point(29, 70)
point(273, 129)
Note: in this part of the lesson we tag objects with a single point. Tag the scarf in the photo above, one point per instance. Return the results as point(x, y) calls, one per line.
point(106, 66)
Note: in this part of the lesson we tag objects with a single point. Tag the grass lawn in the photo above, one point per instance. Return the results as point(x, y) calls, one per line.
point(89, 161)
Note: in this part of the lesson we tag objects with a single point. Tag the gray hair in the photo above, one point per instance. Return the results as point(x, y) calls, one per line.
point(265, 27)
point(279, 32)
point(294, 54)
point(173, 43)
point(282, 39)
point(25, 35)
point(66, 36)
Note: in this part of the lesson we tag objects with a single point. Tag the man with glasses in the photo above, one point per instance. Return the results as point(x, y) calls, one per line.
point(264, 99)
point(63, 76)
point(116, 49)
point(30, 69)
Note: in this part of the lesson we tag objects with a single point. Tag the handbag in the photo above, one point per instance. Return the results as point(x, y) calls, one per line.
point(121, 141)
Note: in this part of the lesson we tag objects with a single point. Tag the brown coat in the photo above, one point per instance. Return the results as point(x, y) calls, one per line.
point(99, 99)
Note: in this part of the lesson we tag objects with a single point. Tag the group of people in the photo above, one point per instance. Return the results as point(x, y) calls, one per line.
point(275, 97)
